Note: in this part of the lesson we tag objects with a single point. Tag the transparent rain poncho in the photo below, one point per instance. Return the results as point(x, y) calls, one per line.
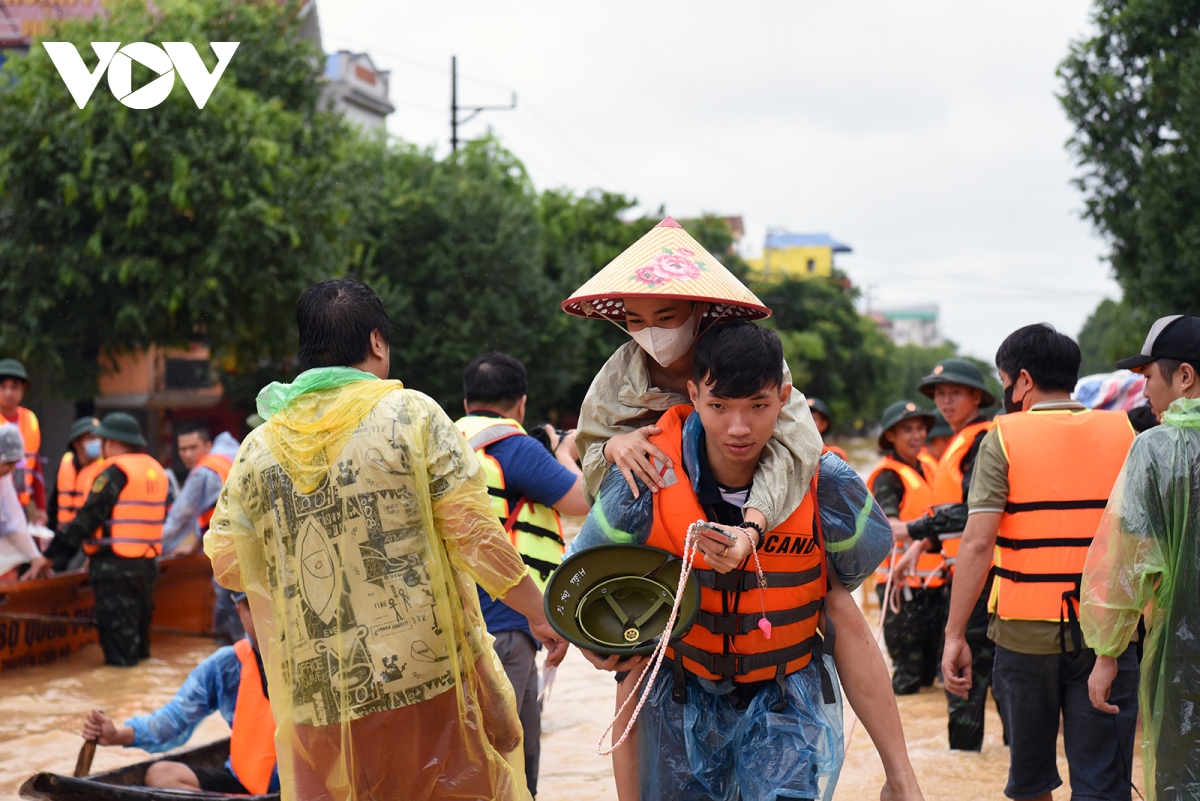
point(357, 521)
point(1146, 558)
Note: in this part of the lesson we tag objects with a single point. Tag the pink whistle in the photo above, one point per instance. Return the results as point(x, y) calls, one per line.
point(765, 625)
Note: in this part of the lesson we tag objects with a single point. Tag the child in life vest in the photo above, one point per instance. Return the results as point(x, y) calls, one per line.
point(668, 289)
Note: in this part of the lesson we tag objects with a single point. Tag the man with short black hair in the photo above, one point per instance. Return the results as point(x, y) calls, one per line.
point(1146, 558)
point(208, 465)
point(358, 523)
point(1041, 479)
point(734, 708)
point(529, 486)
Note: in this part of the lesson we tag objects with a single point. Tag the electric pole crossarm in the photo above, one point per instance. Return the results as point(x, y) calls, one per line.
point(455, 121)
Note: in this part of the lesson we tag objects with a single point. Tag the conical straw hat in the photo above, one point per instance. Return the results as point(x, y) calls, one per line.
point(666, 262)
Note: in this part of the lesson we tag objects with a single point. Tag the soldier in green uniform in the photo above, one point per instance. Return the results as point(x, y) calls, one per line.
point(119, 526)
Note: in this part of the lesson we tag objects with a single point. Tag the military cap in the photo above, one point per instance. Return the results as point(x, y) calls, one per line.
point(81, 427)
point(897, 413)
point(959, 372)
point(121, 427)
point(818, 405)
point(940, 428)
point(11, 368)
point(617, 599)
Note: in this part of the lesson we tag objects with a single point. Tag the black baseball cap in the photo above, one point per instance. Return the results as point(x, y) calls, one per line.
point(1174, 337)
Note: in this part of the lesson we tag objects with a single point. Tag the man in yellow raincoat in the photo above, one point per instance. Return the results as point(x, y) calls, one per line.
point(358, 522)
point(1146, 558)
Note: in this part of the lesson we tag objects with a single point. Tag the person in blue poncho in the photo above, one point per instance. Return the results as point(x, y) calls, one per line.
point(230, 682)
point(745, 706)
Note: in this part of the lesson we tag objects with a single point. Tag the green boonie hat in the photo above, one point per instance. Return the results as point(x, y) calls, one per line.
point(617, 599)
point(818, 405)
point(11, 368)
point(82, 426)
point(897, 413)
point(121, 427)
point(960, 372)
point(940, 428)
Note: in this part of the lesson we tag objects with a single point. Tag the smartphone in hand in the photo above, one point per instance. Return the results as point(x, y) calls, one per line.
point(719, 533)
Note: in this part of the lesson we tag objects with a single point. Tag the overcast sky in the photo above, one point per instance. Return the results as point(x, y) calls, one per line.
point(926, 135)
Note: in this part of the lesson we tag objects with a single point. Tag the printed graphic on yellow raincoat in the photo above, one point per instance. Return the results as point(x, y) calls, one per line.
point(357, 521)
point(1146, 557)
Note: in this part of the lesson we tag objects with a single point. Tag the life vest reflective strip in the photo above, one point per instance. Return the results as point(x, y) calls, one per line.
point(31, 438)
point(947, 482)
point(535, 530)
point(252, 741)
point(836, 451)
point(221, 465)
point(134, 530)
point(724, 645)
point(915, 503)
point(928, 463)
point(1062, 466)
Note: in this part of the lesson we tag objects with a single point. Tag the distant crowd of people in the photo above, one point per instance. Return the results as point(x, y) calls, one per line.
point(401, 571)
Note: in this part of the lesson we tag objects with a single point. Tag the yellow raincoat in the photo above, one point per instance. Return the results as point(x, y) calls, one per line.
point(1146, 558)
point(357, 521)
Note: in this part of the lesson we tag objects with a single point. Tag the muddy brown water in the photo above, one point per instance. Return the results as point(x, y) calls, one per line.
point(42, 710)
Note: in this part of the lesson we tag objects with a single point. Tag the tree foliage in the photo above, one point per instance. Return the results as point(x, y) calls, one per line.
point(1113, 331)
point(1132, 92)
point(120, 228)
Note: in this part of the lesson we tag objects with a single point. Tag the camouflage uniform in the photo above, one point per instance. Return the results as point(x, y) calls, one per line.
point(966, 714)
point(914, 637)
point(123, 588)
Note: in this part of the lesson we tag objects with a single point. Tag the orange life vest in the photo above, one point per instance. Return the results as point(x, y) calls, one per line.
point(252, 741)
point(74, 486)
point(834, 449)
point(221, 465)
point(135, 529)
point(1062, 466)
point(31, 437)
point(929, 464)
point(724, 645)
point(917, 497)
point(947, 482)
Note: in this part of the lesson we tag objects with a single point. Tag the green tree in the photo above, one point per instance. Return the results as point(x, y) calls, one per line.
point(1113, 331)
point(1132, 92)
point(834, 353)
point(120, 228)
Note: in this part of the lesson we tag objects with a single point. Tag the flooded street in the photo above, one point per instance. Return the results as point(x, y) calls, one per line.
point(42, 710)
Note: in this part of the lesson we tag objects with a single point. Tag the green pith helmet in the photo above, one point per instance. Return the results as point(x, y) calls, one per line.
point(818, 405)
point(897, 413)
point(11, 368)
point(82, 426)
point(616, 599)
point(940, 428)
point(960, 372)
point(121, 427)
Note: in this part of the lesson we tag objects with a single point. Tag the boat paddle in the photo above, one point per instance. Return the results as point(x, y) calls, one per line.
point(83, 765)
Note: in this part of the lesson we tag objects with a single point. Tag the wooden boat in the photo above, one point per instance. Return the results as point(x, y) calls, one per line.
point(36, 617)
point(124, 784)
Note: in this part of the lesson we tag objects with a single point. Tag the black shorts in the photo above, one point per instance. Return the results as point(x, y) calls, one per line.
point(1033, 690)
point(218, 780)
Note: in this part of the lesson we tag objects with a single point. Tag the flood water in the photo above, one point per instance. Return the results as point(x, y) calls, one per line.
point(42, 710)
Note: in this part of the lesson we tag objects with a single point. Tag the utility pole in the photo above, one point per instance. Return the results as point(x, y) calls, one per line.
point(455, 108)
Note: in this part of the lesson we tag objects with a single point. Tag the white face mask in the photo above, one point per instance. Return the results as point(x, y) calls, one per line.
point(666, 345)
